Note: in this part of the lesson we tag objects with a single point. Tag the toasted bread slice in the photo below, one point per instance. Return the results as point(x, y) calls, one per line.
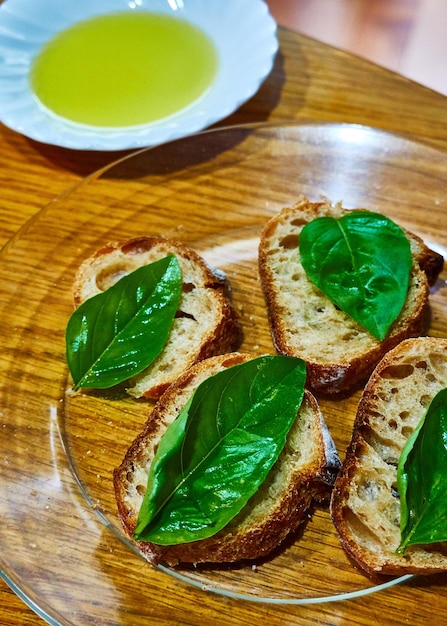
point(304, 471)
point(365, 503)
point(339, 352)
point(206, 322)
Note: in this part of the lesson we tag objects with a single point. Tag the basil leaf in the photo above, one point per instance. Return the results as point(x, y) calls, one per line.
point(361, 262)
point(422, 478)
point(219, 450)
point(119, 332)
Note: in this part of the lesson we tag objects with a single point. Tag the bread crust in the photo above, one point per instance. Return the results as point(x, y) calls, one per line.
point(339, 352)
point(265, 521)
point(365, 505)
point(206, 322)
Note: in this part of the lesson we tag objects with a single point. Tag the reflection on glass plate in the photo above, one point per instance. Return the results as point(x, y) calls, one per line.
point(242, 32)
point(63, 548)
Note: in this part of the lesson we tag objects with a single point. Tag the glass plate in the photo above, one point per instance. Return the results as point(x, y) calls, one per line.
point(63, 549)
point(243, 32)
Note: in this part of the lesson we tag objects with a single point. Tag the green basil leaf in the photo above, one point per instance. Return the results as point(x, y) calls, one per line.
point(422, 478)
point(361, 262)
point(219, 450)
point(119, 332)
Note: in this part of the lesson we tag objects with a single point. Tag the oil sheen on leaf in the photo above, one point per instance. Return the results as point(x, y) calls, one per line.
point(362, 263)
point(422, 478)
point(219, 450)
point(119, 332)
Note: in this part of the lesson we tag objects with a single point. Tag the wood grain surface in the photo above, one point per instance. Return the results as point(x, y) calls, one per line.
point(310, 81)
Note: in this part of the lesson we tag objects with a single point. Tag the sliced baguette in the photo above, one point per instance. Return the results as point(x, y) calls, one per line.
point(365, 505)
point(339, 352)
point(304, 471)
point(206, 322)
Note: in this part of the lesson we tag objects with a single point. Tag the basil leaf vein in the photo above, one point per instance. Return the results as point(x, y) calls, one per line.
point(119, 332)
point(422, 479)
point(361, 262)
point(219, 450)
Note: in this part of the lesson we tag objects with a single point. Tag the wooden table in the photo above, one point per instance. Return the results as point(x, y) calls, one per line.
point(310, 81)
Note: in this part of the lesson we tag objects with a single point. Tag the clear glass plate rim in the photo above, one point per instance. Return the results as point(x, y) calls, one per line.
point(251, 126)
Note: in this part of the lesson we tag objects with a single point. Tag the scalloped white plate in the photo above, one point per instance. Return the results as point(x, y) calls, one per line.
point(243, 32)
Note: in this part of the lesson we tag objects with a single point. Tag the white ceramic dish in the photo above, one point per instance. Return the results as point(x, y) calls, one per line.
point(243, 32)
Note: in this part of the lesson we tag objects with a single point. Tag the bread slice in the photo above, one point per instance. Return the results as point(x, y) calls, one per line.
point(305, 323)
point(206, 322)
point(304, 472)
point(365, 504)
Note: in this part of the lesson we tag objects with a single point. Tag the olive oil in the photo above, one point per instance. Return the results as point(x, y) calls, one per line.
point(124, 69)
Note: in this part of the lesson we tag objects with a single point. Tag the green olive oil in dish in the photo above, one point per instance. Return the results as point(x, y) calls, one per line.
point(124, 69)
